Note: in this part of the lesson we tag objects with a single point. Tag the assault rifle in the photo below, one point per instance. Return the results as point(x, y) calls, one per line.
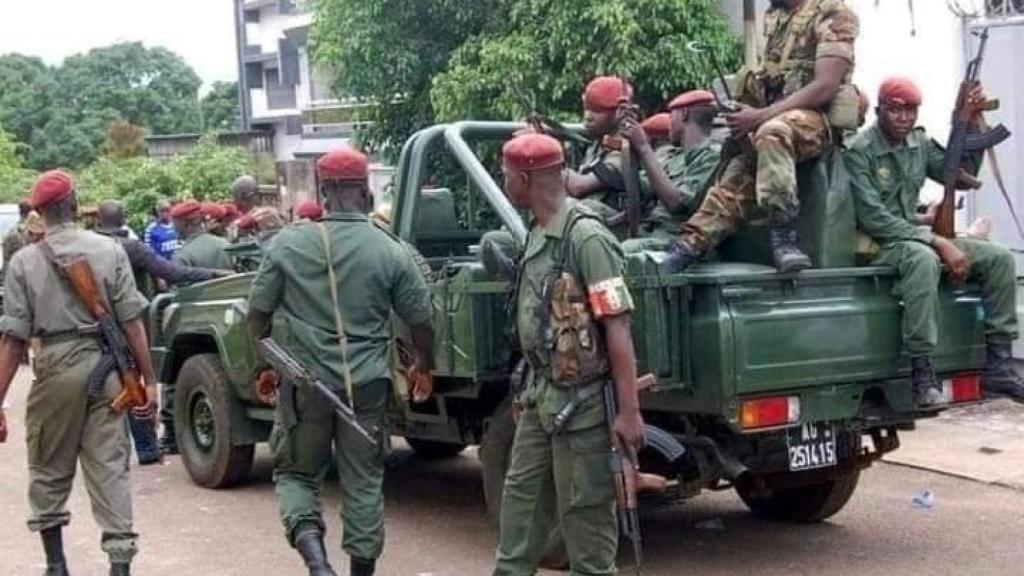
point(961, 143)
point(734, 146)
point(116, 353)
point(625, 468)
point(295, 374)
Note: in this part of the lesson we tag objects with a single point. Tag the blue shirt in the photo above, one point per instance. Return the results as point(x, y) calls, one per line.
point(162, 238)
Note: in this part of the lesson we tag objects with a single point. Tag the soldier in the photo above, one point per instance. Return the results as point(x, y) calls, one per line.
point(15, 238)
point(199, 248)
point(309, 211)
point(680, 174)
point(658, 129)
point(796, 99)
point(246, 193)
point(599, 181)
point(888, 164)
point(65, 425)
point(375, 276)
point(268, 222)
point(567, 472)
point(216, 216)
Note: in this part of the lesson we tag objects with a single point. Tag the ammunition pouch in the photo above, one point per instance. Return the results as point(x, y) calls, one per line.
point(577, 345)
point(750, 87)
point(844, 111)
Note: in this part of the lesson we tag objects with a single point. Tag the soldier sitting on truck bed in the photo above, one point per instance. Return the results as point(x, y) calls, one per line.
point(681, 173)
point(888, 164)
point(798, 97)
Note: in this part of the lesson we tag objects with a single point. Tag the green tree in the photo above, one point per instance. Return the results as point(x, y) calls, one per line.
point(124, 140)
point(26, 88)
point(388, 51)
point(220, 108)
point(15, 178)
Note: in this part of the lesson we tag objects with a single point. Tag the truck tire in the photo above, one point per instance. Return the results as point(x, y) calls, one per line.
point(802, 505)
point(434, 450)
point(202, 419)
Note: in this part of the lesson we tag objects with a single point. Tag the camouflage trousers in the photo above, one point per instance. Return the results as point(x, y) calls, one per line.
point(764, 182)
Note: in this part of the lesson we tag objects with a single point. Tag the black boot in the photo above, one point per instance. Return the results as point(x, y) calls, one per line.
point(310, 544)
point(1000, 376)
point(361, 566)
point(788, 256)
point(120, 569)
point(53, 545)
point(927, 394)
point(680, 256)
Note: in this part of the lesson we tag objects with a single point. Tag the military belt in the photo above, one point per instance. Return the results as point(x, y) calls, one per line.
point(63, 337)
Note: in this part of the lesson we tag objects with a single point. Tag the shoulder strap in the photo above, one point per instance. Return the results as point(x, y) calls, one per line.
point(797, 25)
point(339, 322)
point(51, 257)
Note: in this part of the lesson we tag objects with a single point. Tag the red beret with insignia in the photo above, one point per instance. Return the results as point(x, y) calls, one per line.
point(214, 211)
point(187, 210)
point(246, 222)
point(310, 210)
point(529, 152)
point(658, 126)
point(900, 91)
point(604, 93)
point(345, 163)
point(50, 187)
point(692, 98)
point(230, 210)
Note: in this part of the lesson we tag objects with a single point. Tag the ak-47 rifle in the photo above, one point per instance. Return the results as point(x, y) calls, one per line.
point(625, 470)
point(541, 122)
point(962, 142)
point(734, 146)
point(116, 353)
point(295, 374)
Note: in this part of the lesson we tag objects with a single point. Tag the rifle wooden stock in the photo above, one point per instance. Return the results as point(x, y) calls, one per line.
point(133, 392)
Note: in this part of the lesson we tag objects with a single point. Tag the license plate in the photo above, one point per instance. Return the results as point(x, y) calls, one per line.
point(811, 446)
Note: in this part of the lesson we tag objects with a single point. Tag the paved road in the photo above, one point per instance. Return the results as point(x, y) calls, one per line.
point(436, 525)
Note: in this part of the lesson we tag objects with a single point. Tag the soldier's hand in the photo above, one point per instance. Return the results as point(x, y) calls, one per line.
point(267, 384)
point(628, 431)
point(632, 131)
point(744, 121)
point(953, 258)
point(152, 407)
point(421, 382)
point(3, 426)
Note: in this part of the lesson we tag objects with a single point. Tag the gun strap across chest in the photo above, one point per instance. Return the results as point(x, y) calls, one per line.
point(339, 322)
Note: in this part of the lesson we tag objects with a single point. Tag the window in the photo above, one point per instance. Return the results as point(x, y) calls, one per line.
point(254, 75)
point(288, 56)
point(279, 96)
point(1004, 8)
point(320, 85)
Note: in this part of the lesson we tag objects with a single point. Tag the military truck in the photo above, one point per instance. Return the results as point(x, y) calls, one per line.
point(782, 387)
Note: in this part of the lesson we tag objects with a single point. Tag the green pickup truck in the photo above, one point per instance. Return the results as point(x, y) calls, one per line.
point(782, 387)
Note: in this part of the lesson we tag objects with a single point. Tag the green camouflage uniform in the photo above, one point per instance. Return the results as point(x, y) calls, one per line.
point(375, 276)
point(204, 250)
point(819, 29)
point(886, 182)
point(563, 478)
point(691, 171)
point(64, 426)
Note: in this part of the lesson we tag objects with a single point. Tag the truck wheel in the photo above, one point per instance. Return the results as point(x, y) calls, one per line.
point(803, 505)
point(434, 450)
point(202, 419)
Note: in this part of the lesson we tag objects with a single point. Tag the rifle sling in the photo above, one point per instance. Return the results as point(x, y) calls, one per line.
point(997, 174)
point(339, 322)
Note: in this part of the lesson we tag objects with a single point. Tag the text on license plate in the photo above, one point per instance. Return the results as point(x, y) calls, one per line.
point(811, 446)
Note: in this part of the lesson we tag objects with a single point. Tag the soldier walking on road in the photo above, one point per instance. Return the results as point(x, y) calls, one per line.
point(799, 96)
point(570, 257)
point(65, 425)
point(888, 164)
point(333, 286)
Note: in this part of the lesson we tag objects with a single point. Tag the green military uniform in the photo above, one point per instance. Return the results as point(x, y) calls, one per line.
point(795, 40)
point(204, 250)
point(886, 182)
point(13, 241)
point(375, 276)
point(64, 425)
point(567, 473)
point(691, 171)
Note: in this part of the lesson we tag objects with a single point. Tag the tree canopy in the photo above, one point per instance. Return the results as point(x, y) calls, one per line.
point(220, 108)
point(15, 178)
point(436, 60)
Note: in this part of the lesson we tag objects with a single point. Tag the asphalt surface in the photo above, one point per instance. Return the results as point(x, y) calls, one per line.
point(436, 526)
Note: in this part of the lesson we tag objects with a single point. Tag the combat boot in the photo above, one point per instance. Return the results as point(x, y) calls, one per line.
point(680, 256)
point(120, 569)
point(788, 256)
point(925, 385)
point(361, 566)
point(53, 545)
point(310, 544)
point(1000, 376)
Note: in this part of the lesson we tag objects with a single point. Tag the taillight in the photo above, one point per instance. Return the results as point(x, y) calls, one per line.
point(962, 388)
point(769, 412)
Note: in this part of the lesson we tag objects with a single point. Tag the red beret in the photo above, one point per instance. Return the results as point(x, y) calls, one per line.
point(345, 163)
point(214, 211)
point(899, 91)
point(604, 92)
point(692, 98)
point(187, 210)
point(50, 187)
point(230, 210)
point(246, 222)
point(658, 126)
point(310, 210)
point(529, 152)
